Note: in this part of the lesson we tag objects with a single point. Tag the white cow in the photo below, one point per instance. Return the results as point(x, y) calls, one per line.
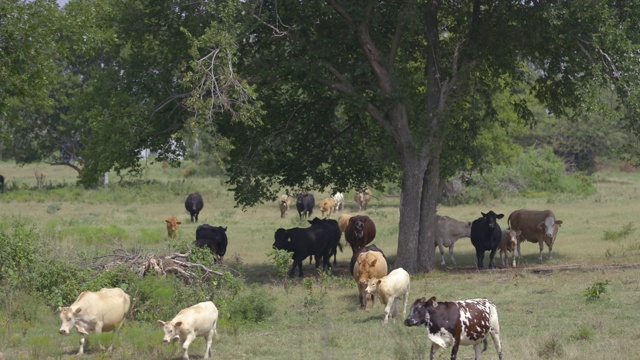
point(389, 289)
point(100, 311)
point(449, 230)
point(339, 199)
point(198, 320)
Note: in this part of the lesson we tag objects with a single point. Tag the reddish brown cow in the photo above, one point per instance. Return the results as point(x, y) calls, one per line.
point(538, 226)
point(360, 231)
point(172, 226)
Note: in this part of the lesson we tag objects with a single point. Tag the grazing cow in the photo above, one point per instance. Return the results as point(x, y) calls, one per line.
point(99, 311)
point(538, 226)
point(284, 205)
point(305, 204)
point(508, 243)
point(326, 206)
point(456, 323)
point(362, 198)
point(343, 221)
point(332, 231)
point(339, 199)
point(485, 236)
point(449, 230)
point(194, 204)
point(360, 231)
point(389, 289)
point(367, 263)
point(172, 226)
point(198, 320)
point(213, 237)
point(304, 242)
point(1, 183)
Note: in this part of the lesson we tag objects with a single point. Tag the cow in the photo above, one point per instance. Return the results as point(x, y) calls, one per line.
point(213, 237)
point(538, 226)
point(95, 311)
point(456, 323)
point(194, 204)
point(172, 226)
point(1, 183)
point(485, 236)
point(304, 242)
point(343, 221)
point(339, 199)
point(332, 231)
point(305, 204)
point(508, 244)
point(326, 206)
point(198, 320)
point(449, 230)
point(284, 205)
point(362, 198)
point(360, 231)
point(389, 289)
point(367, 263)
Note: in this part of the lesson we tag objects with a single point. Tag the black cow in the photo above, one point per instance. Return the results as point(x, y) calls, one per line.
point(332, 230)
point(194, 204)
point(485, 236)
point(354, 258)
point(456, 323)
point(1, 183)
point(213, 237)
point(305, 204)
point(304, 242)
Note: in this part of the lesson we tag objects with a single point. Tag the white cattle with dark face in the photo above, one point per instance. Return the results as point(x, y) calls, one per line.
point(199, 320)
point(455, 323)
point(538, 226)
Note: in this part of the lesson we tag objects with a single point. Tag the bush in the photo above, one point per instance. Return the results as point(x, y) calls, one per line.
point(254, 307)
point(20, 249)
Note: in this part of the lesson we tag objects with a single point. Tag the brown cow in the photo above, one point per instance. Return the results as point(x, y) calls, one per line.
point(284, 205)
point(360, 231)
point(172, 226)
point(362, 198)
point(369, 262)
point(448, 231)
point(508, 244)
point(326, 206)
point(538, 226)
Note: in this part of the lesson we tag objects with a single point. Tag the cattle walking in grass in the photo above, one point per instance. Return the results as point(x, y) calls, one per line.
point(449, 230)
point(326, 206)
point(213, 237)
point(485, 236)
point(304, 242)
point(332, 232)
point(367, 263)
point(455, 323)
point(305, 204)
point(194, 205)
point(362, 198)
point(199, 320)
point(360, 231)
point(339, 200)
point(283, 203)
point(390, 289)
point(538, 226)
point(508, 244)
point(95, 312)
point(172, 226)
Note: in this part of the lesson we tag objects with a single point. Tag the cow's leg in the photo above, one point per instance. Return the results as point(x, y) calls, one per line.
point(185, 345)
point(541, 244)
point(454, 350)
point(363, 295)
point(208, 352)
point(387, 309)
point(432, 353)
point(81, 350)
point(503, 256)
point(492, 254)
point(477, 349)
point(406, 299)
point(441, 247)
point(480, 259)
point(495, 335)
point(550, 246)
point(451, 253)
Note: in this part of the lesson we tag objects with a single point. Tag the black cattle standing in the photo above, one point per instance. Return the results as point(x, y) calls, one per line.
point(194, 204)
point(304, 242)
point(1, 183)
point(305, 204)
point(332, 230)
point(213, 237)
point(485, 236)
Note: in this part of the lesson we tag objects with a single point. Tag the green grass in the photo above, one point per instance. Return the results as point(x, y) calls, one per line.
point(542, 314)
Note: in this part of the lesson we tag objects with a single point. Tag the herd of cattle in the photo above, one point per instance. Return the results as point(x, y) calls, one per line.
point(449, 324)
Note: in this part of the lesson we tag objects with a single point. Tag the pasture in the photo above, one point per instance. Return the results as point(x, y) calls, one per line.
point(543, 309)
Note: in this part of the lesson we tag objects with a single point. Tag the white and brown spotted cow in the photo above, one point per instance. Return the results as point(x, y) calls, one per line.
point(455, 323)
point(508, 244)
point(538, 226)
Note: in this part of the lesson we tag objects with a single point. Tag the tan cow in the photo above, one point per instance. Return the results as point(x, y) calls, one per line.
point(449, 230)
point(326, 206)
point(389, 289)
point(343, 221)
point(538, 226)
point(362, 198)
point(100, 311)
point(198, 320)
point(508, 243)
point(370, 264)
point(172, 226)
point(284, 205)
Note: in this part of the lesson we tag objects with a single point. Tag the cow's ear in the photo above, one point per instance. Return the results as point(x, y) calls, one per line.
point(225, 228)
point(432, 301)
point(379, 281)
point(179, 222)
point(500, 216)
point(78, 310)
point(541, 226)
point(167, 221)
point(483, 214)
point(558, 222)
point(518, 233)
point(178, 324)
point(373, 263)
point(161, 323)
point(59, 309)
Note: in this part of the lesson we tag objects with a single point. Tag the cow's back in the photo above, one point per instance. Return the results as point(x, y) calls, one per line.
point(199, 318)
point(362, 271)
point(396, 282)
point(110, 305)
point(450, 229)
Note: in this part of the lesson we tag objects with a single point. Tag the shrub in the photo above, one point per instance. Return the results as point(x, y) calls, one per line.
point(20, 249)
point(552, 348)
point(253, 307)
point(626, 230)
point(593, 292)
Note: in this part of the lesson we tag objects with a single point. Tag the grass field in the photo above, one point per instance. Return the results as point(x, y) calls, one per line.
point(543, 310)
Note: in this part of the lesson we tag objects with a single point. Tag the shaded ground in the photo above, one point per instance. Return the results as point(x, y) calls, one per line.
point(547, 269)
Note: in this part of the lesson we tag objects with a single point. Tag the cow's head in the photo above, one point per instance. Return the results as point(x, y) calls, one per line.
point(491, 218)
point(172, 226)
point(170, 330)
point(67, 315)
point(372, 286)
point(512, 241)
point(419, 314)
point(282, 241)
point(358, 224)
point(315, 221)
point(549, 226)
point(365, 268)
